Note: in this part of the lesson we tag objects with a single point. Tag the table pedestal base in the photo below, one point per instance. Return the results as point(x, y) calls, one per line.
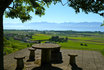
point(46, 57)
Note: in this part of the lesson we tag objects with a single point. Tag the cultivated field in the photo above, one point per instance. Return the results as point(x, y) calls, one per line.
point(20, 39)
point(81, 43)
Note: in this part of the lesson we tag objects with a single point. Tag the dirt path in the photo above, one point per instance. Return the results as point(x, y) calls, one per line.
point(86, 60)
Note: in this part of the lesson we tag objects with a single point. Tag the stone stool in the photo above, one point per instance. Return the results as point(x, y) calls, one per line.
point(32, 54)
point(20, 62)
point(72, 59)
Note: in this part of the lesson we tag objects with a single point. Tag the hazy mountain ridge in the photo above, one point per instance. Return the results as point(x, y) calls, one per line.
point(81, 26)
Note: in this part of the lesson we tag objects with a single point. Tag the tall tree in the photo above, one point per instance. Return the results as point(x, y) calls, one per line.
point(22, 8)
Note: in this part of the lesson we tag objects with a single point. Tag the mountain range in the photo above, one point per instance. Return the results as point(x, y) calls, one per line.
point(80, 26)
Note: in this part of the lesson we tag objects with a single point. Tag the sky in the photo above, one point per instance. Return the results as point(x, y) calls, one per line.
point(59, 14)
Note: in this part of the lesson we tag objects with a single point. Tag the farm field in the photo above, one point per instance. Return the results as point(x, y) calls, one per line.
point(40, 37)
point(20, 39)
point(88, 43)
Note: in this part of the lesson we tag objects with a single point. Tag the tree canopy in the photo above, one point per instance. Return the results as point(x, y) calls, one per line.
point(22, 8)
point(95, 6)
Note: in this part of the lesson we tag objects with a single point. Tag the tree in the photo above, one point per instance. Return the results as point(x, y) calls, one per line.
point(19, 9)
point(66, 39)
point(54, 38)
point(22, 8)
point(58, 39)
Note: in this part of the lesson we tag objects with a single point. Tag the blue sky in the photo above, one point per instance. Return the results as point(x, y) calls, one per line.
point(59, 14)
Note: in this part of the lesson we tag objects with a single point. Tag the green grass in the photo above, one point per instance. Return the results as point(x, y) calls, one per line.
point(88, 38)
point(93, 43)
point(96, 44)
point(14, 45)
point(76, 45)
point(40, 37)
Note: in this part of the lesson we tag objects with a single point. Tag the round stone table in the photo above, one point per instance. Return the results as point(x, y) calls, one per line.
point(46, 52)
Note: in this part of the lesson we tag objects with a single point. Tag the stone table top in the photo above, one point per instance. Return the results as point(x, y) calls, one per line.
point(45, 46)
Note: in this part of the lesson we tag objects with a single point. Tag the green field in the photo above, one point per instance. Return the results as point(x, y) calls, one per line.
point(73, 44)
point(93, 40)
point(40, 37)
point(93, 43)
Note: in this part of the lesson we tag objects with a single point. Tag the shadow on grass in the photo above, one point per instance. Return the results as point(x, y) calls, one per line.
point(47, 68)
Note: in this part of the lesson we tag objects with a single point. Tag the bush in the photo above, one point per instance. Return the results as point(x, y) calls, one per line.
point(81, 44)
point(85, 45)
point(14, 45)
point(8, 50)
point(58, 39)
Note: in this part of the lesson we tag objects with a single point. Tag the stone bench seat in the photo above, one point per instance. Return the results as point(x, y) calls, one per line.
point(20, 62)
point(19, 57)
point(72, 59)
point(31, 49)
point(32, 54)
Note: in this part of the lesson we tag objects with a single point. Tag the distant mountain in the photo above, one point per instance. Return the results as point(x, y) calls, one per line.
point(82, 26)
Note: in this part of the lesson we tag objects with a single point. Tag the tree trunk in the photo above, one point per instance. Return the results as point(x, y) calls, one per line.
point(3, 5)
point(1, 41)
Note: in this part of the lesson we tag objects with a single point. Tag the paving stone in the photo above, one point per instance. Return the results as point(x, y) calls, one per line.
point(87, 60)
